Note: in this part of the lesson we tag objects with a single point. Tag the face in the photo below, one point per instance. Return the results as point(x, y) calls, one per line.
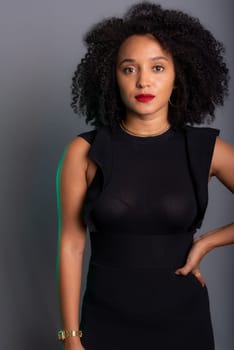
point(145, 76)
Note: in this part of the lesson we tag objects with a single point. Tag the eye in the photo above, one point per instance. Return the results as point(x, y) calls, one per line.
point(129, 70)
point(158, 68)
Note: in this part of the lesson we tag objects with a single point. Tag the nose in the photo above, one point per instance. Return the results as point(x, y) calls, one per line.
point(143, 80)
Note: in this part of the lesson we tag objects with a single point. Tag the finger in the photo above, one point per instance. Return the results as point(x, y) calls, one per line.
point(197, 273)
point(184, 270)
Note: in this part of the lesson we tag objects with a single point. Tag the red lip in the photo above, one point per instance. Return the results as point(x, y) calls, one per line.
point(144, 97)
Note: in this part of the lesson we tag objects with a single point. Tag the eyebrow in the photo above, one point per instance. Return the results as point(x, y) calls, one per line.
point(156, 58)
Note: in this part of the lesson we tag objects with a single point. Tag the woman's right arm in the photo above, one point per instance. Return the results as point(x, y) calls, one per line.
point(73, 187)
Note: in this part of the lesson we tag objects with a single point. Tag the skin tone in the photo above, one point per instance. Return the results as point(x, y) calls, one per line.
point(143, 67)
point(140, 72)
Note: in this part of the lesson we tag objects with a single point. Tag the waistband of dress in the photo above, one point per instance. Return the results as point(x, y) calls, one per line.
point(140, 250)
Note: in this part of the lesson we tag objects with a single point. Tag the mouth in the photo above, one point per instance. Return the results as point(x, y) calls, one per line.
point(144, 97)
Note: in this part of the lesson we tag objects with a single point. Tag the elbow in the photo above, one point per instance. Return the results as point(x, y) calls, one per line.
point(72, 243)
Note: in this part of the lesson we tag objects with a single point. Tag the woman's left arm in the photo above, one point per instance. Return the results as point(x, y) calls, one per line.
point(222, 166)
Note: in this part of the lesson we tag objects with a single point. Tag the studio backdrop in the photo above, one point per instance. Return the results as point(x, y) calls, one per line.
point(41, 44)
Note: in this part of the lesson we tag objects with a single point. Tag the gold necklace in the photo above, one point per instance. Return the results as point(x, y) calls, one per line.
point(123, 126)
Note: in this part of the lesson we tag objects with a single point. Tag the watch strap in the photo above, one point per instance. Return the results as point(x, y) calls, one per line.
point(64, 334)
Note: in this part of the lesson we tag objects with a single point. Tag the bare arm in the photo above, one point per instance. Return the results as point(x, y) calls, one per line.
point(222, 166)
point(73, 187)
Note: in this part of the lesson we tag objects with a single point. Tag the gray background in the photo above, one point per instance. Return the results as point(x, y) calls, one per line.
point(41, 43)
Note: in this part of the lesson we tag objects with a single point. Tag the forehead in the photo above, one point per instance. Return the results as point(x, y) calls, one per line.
point(141, 46)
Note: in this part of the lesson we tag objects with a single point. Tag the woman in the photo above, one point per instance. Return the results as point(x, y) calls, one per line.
point(138, 182)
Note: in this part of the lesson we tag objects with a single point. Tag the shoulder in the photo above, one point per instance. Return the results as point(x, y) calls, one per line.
point(210, 136)
point(211, 150)
point(222, 165)
point(202, 140)
point(75, 156)
point(201, 131)
point(77, 149)
point(88, 135)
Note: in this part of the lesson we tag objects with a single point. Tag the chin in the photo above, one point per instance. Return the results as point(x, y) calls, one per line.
point(145, 111)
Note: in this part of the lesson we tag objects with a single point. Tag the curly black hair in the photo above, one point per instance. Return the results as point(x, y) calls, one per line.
point(201, 72)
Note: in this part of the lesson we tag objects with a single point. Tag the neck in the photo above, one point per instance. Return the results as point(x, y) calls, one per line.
point(145, 128)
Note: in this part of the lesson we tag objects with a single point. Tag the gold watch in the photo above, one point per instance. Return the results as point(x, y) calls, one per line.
point(64, 334)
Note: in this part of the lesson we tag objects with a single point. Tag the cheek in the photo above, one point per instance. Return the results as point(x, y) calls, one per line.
point(167, 86)
point(123, 88)
point(121, 83)
point(124, 96)
point(122, 91)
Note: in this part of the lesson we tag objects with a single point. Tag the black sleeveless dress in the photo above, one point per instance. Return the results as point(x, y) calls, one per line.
point(146, 201)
